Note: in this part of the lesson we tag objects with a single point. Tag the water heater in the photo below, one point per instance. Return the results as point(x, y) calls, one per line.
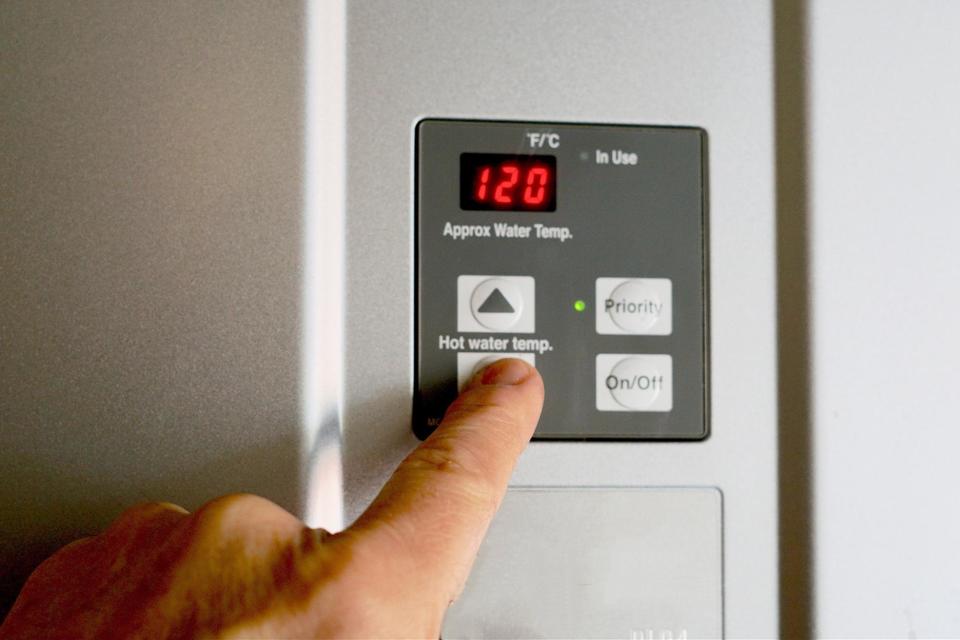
point(259, 247)
point(273, 276)
point(590, 189)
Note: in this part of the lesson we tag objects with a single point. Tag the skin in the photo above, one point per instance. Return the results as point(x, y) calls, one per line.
point(240, 566)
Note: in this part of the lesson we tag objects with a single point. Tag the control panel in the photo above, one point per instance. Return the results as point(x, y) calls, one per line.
point(579, 248)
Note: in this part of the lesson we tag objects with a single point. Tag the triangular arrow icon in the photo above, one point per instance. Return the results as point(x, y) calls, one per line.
point(496, 303)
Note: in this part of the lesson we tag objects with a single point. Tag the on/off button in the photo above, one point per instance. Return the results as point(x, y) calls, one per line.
point(634, 382)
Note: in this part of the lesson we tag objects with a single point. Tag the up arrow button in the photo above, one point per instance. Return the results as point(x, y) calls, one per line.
point(495, 304)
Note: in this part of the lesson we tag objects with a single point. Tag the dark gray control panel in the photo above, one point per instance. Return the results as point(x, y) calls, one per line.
point(579, 248)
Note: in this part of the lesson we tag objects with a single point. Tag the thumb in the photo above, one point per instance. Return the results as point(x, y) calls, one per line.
point(434, 511)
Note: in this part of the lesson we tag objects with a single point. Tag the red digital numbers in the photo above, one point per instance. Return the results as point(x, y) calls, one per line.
point(507, 182)
point(509, 174)
point(536, 185)
point(512, 184)
point(483, 184)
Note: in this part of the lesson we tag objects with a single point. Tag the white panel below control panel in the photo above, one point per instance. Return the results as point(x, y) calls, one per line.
point(597, 563)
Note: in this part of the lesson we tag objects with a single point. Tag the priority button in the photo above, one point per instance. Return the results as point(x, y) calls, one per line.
point(636, 306)
point(498, 304)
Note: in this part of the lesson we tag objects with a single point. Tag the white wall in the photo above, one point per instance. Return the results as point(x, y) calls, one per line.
point(885, 206)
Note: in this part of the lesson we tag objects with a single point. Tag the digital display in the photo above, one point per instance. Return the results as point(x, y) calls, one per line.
point(502, 182)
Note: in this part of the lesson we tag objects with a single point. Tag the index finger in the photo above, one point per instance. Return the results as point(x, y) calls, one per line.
point(435, 509)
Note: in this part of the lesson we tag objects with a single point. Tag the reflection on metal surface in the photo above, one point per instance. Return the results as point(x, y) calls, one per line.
point(322, 331)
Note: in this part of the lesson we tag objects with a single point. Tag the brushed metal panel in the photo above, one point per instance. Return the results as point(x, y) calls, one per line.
point(150, 261)
point(597, 563)
point(659, 62)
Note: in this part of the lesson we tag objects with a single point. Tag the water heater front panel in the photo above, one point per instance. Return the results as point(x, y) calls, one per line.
point(471, 118)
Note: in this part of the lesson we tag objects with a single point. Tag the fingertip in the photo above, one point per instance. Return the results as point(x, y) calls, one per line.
point(505, 372)
point(508, 385)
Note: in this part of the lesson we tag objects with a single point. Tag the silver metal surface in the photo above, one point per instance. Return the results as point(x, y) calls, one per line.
point(151, 253)
point(548, 568)
point(667, 62)
point(172, 290)
point(164, 253)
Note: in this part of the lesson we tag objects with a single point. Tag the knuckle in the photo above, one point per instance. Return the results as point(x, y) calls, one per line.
point(249, 524)
point(437, 457)
point(465, 471)
point(149, 510)
point(218, 516)
point(147, 514)
point(230, 505)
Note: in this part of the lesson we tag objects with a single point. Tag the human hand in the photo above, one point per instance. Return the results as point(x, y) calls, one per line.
point(241, 566)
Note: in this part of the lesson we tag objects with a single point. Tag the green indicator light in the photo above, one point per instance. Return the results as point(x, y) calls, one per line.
point(579, 305)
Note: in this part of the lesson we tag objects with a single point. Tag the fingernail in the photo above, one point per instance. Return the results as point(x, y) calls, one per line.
point(506, 371)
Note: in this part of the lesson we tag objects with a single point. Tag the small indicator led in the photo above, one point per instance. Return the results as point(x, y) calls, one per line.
point(579, 305)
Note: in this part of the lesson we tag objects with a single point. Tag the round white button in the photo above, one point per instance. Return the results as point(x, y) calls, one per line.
point(634, 306)
point(477, 368)
point(634, 383)
point(497, 304)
